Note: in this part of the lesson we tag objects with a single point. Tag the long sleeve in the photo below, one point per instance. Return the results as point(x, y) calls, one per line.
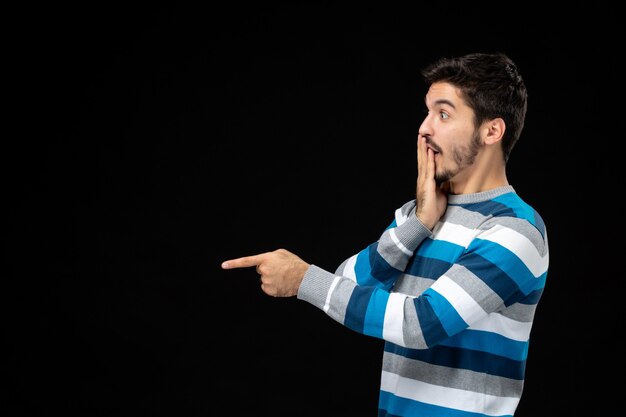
point(455, 307)
point(380, 263)
point(472, 272)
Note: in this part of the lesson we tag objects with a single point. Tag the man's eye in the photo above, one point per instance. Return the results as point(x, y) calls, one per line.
point(443, 115)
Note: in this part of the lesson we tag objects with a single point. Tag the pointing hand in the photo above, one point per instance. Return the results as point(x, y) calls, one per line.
point(281, 271)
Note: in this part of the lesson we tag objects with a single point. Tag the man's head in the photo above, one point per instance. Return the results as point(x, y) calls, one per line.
point(490, 85)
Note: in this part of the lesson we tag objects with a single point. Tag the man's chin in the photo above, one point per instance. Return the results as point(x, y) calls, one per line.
point(440, 179)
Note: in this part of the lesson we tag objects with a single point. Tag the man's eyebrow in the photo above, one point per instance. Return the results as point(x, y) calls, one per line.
point(442, 101)
point(445, 101)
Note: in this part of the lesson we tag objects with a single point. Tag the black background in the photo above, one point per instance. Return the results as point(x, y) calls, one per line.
point(149, 145)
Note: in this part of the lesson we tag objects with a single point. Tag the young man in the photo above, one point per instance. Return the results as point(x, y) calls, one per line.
point(452, 284)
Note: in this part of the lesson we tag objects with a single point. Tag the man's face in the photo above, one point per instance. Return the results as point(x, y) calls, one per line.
point(450, 132)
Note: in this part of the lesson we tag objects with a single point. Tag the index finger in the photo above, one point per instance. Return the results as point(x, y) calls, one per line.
point(243, 262)
point(422, 154)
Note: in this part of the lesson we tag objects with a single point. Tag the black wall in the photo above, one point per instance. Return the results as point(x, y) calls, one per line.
point(149, 145)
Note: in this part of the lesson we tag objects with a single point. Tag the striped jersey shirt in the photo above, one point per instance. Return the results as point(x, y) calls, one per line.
point(455, 306)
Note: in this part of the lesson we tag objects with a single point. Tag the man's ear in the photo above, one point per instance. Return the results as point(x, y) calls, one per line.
point(494, 131)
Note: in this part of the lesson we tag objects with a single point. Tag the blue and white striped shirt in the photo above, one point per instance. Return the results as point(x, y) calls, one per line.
point(455, 306)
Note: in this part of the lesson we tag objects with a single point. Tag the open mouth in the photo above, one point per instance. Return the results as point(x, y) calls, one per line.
point(432, 146)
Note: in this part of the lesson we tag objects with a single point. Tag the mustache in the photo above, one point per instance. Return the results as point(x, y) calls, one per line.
point(433, 144)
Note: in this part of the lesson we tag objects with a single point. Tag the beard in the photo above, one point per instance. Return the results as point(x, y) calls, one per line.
point(463, 156)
